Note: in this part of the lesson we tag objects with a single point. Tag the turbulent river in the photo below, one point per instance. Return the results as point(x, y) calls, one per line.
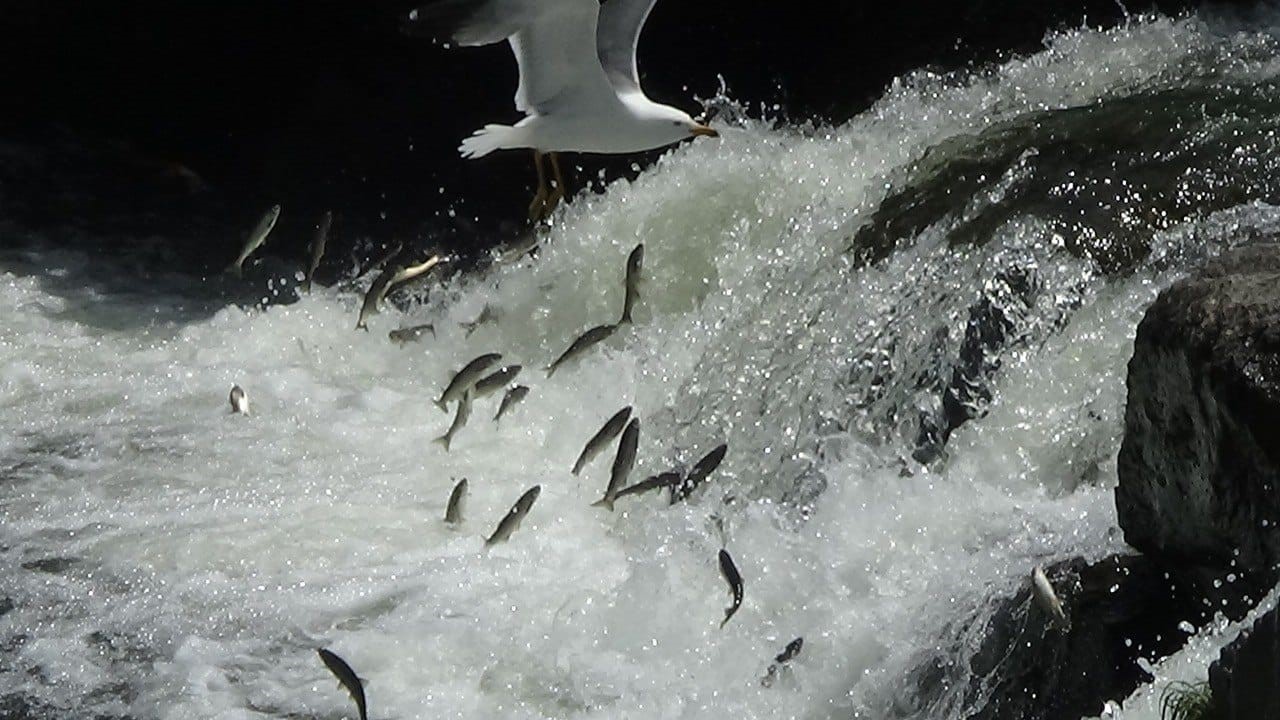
point(911, 329)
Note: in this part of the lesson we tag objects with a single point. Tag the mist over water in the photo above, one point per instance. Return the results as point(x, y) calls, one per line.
point(808, 299)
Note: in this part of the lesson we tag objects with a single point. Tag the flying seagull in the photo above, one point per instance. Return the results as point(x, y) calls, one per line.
point(579, 86)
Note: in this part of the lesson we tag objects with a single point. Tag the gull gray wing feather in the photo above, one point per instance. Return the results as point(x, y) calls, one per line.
point(620, 24)
point(554, 42)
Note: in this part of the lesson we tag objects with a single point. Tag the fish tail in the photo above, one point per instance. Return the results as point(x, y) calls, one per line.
point(444, 407)
point(236, 269)
point(444, 440)
point(551, 370)
point(604, 502)
point(306, 286)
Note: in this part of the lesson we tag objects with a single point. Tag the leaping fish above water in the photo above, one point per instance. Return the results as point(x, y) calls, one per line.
point(602, 438)
point(623, 462)
point(347, 678)
point(465, 378)
point(317, 248)
point(654, 482)
point(256, 239)
point(403, 336)
point(734, 578)
point(499, 379)
point(581, 345)
point(239, 400)
point(700, 472)
point(511, 521)
point(457, 502)
point(510, 400)
point(387, 280)
point(787, 655)
point(1047, 599)
point(487, 314)
point(635, 262)
point(459, 420)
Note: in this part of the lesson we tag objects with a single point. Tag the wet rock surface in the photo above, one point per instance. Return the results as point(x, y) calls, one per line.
point(1121, 609)
point(1200, 460)
point(1245, 679)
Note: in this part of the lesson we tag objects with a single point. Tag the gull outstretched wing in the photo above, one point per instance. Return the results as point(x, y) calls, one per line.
point(554, 43)
point(616, 40)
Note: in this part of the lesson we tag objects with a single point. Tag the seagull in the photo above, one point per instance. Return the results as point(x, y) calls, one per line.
point(579, 85)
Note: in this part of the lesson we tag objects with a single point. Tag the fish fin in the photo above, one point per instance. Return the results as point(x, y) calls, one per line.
point(444, 406)
point(551, 370)
point(577, 467)
point(606, 503)
point(443, 440)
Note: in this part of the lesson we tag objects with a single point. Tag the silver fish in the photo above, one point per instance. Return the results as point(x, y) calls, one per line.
point(602, 438)
point(457, 503)
point(699, 473)
point(407, 335)
point(491, 384)
point(510, 400)
point(511, 522)
point(623, 462)
point(487, 314)
point(787, 655)
point(317, 248)
point(347, 678)
point(256, 239)
point(388, 279)
point(653, 482)
point(465, 378)
point(635, 263)
point(585, 341)
point(1048, 600)
point(734, 578)
point(239, 400)
point(459, 419)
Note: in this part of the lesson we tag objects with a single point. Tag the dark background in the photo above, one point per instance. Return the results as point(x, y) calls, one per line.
point(188, 118)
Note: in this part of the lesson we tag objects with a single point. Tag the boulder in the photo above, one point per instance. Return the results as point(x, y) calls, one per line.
point(1199, 466)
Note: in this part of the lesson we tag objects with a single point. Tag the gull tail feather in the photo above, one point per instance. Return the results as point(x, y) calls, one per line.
point(490, 138)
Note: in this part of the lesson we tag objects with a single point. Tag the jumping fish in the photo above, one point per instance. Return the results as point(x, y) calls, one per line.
point(347, 678)
point(653, 482)
point(387, 280)
point(787, 655)
point(623, 462)
point(499, 379)
point(510, 400)
point(256, 239)
point(699, 473)
point(635, 261)
point(457, 503)
point(487, 314)
point(731, 576)
point(317, 248)
point(580, 346)
point(239, 400)
point(459, 419)
point(1048, 600)
point(407, 335)
point(602, 438)
point(511, 522)
point(465, 378)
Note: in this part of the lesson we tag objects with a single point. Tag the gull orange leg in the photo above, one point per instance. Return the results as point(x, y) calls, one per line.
point(557, 192)
point(538, 208)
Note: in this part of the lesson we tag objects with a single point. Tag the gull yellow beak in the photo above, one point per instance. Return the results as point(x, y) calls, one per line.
point(703, 131)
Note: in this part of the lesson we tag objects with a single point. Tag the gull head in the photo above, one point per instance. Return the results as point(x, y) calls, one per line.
point(667, 125)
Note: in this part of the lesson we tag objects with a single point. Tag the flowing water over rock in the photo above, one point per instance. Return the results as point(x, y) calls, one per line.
point(911, 330)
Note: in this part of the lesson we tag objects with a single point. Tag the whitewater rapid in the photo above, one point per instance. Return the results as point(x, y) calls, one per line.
point(164, 558)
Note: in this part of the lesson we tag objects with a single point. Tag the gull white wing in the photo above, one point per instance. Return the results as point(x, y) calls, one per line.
point(619, 34)
point(554, 43)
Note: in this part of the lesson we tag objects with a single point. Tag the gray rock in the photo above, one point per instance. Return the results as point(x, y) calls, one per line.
point(1200, 462)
